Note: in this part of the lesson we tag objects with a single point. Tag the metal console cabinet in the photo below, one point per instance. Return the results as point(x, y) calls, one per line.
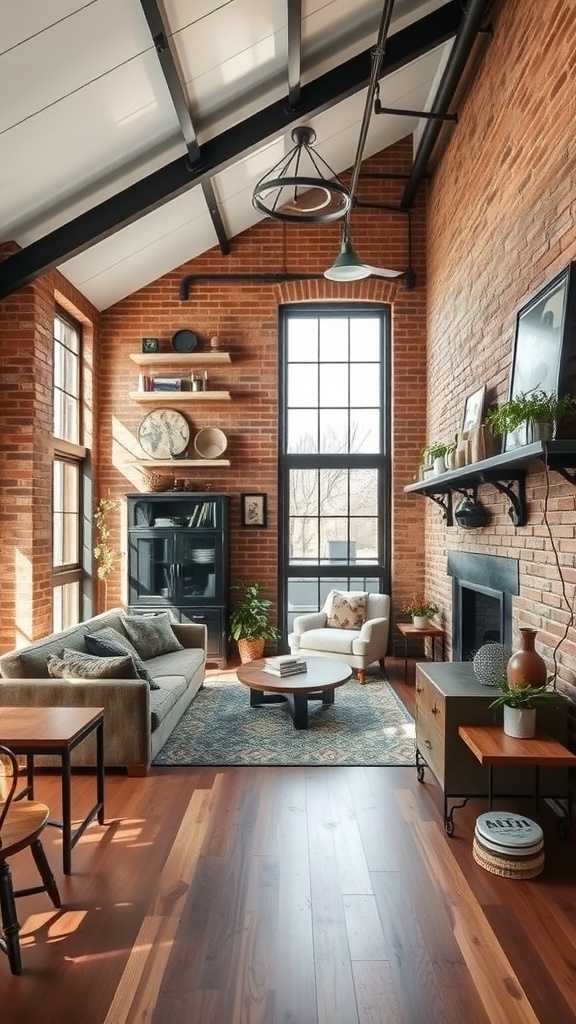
point(449, 695)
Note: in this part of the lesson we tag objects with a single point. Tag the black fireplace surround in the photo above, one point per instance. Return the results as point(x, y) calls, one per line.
point(482, 591)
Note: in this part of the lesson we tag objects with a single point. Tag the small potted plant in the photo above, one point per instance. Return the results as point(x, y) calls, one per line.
point(520, 703)
point(249, 622)
point(421, 611)
point(436, 454)
point(531, 415)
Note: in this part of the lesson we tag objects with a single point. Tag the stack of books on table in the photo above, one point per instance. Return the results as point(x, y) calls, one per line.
point(284, 665)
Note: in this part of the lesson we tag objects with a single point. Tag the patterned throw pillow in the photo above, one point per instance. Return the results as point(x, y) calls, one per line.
point(109, 642)
point(347, 611)
point(77, 665)
point(151, 635)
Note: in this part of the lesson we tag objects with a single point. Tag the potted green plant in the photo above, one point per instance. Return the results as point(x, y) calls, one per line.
point(531, 415)
point(436, 454)
point(249, 622)
point(421, 611)
point(520, 703)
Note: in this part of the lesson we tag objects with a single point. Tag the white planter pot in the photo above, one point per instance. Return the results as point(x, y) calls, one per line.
point(420, 621)
point(520, 722)
point(439, 466)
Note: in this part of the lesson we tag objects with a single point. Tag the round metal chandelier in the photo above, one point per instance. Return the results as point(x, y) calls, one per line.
point(297, 190)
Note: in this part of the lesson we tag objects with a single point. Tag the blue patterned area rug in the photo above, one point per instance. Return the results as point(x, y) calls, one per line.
point(366, 725)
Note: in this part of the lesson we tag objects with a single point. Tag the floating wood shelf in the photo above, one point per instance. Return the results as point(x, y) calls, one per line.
point(506, 472)
point(179, 463)
point(180, 358)
point(170, 397)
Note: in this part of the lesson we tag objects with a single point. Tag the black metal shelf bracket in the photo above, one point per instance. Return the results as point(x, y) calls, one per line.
point(517, 499)
point(569, 476)
point(445, 503)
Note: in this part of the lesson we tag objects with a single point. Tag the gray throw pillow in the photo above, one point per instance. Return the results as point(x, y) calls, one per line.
point(152, 635)
point(110, 643)
point(78, 665)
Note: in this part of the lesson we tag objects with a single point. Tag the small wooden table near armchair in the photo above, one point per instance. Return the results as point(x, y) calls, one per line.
point(359, 647)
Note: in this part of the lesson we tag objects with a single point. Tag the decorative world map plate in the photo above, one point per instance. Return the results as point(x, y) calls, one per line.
point(164, 433)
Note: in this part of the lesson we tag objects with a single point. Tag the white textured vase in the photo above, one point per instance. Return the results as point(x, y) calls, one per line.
point(420, 621)
point(439, 465)
point(520, 722)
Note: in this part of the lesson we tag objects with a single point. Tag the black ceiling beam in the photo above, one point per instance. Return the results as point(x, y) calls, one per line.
point(175, 178)
point(294, 13)
point(167, 63)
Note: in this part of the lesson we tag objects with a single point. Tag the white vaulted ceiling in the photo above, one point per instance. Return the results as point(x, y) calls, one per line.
point(87, 114)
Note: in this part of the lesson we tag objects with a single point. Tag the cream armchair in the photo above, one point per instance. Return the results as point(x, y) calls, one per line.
point(358, 648)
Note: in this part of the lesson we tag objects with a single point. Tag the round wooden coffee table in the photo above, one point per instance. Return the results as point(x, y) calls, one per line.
point(321, 678)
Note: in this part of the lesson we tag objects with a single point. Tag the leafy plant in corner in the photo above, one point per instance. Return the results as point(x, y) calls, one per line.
point(249, 619)
point(526, 697)
point(104, 553)
point(537, 406)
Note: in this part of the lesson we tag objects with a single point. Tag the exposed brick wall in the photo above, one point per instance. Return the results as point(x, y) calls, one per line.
point(500, 225)
point(26, 331)
point(245, 317)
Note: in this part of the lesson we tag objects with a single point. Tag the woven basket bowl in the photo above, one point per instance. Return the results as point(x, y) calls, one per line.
point(157, 482)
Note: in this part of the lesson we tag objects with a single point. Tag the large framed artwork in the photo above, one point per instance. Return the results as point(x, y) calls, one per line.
point(544, 353)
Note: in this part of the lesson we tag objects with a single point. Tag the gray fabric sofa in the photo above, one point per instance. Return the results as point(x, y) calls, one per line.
point(137, 719)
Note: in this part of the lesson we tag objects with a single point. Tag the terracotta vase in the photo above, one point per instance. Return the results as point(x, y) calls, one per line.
point(526, 667)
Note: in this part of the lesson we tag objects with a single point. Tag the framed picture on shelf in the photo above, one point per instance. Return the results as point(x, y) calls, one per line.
point(150, 344)
point(253, 508)
point(544, 354)
point(473, 410)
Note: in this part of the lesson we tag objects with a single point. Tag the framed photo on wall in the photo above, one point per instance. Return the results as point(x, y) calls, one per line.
point(473, 410)
point(253, 509)
point(544, 352)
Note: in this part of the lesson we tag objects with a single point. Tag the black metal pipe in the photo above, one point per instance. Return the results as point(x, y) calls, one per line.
point(461, 49)
point(278, 278)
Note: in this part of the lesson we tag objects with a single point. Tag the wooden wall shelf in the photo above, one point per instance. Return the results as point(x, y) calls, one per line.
point(179, 463)
point(171, 397)
point(180, 358)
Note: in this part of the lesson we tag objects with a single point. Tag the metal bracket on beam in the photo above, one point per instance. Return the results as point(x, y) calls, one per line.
point(427, 115)
point(445, 503)
point(517, 499)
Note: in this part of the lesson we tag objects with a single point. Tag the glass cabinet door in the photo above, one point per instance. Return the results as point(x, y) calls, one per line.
point(199, 567)
point(152, 569)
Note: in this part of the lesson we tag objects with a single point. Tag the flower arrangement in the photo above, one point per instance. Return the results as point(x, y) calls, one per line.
point(419, 607)
point(104, 554)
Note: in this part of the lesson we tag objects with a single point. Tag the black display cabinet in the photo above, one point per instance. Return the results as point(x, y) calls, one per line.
point(178, 559)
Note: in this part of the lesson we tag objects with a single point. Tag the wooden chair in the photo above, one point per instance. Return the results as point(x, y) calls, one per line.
point(20, 826)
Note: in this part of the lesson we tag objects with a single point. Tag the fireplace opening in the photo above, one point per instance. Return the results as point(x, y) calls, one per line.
point(482, 590)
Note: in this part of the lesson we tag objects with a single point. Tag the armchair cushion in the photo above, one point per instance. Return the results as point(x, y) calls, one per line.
point(346, 610)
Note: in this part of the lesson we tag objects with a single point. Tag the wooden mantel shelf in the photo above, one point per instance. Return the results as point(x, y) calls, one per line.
point(180, 463)
point(503, 471)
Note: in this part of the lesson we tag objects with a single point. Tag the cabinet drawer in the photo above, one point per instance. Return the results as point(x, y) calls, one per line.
point(215, 621)
point(430, 702)
point(430, 743)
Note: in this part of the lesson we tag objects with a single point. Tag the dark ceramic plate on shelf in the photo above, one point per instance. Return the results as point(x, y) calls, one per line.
point(184, 341)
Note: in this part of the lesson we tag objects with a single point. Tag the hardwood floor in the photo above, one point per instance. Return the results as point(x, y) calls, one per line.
point(289, 896)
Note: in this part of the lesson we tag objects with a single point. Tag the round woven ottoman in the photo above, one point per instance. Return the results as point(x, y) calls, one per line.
point(508, 845)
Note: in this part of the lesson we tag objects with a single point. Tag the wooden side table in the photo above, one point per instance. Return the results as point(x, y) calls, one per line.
point(491, 746)
point(46, 730)
point(408, 630)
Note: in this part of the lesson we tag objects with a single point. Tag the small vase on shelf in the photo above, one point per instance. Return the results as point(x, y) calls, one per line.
point(526, 667)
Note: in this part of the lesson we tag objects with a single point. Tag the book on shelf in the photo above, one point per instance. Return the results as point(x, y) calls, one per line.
point(166, 384)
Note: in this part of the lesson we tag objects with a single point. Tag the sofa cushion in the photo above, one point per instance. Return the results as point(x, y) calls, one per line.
point(110, 643)
point(78, 665)
point(180, 663)
point(151, 635)
point(34, 658)
point(165, 697)
point(346, 610)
